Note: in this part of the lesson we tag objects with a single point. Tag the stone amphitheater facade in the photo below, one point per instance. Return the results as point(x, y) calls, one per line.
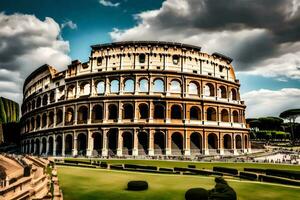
point(136, 98)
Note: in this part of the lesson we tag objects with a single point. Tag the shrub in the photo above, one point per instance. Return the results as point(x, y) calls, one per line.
point(196, 194)
point(131, 166)
point(191, 166)
point(226, 170)
point(165, 169)
point(103, 164)
point(248, 175)
point(118, 167)
point(274, 179)
point(257, 170)
point(284, 173)
point(137, 185)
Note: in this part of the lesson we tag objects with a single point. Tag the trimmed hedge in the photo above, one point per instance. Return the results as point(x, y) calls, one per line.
point(165, 169)
point(197, 171)
point(248, 175)
point(274, 179)
point(196, 194)
point(137, 185)
point(103, 165)
point(226, 170)
point(284, 173)
point(131, 166)
point(257, 170)
point(191, 166)
point(118, 167)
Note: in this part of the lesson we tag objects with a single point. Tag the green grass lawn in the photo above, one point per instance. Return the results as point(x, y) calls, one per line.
point(206, 165)
point(99, 184)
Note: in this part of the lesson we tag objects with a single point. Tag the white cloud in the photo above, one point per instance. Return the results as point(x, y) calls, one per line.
point(108, 3)
point(26, 43)
point(263, 102)
point(69, 24)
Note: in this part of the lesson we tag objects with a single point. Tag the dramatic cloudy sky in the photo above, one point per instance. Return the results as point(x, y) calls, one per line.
point(262, 36)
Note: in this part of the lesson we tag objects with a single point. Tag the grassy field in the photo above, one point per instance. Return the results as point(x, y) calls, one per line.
point(206, 165)
point(99, 184)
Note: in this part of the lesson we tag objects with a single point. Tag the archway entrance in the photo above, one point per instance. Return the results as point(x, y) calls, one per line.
point(69, 144)
point(112, 142)
point(195, 143)
point(81, 144)
point(142, 143)
point(227, 141)
point(97, 141)
point(159, 143)
point(177, 144)
point(212, 141)
point(58, 145)
point(50, 143)
point(127, 143)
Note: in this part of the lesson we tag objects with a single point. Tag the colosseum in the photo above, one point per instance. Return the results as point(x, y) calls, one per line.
point(136, 98)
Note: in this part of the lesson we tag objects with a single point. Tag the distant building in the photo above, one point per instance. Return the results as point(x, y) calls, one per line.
point(136, 98)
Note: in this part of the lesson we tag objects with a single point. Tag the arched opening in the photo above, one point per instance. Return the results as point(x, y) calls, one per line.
point(195, 113)
point(81, 144)
point(51, 118)
point(38, 102)
point(127, 143)
point(112, 141)
point(212, 141)
point(38, 122)
point(44, 120)
point(113, 112)
point(100, 87)
point(238, 142)
point(233, 94)
point(175, 86)
point(97, 141)
point(158, 85)
point(211, 114)
point(227, 141)
point(114, 86)
point(85, 89)
point(69, 116)
point(71, 91)
point(223, 92)
point(44, 146)
point(32, 124)
point(176, 112)
point(246, 142)
point(224, 115)
point(58, 145)
point(32, 105)
point(143, 85)
point(235, 116)
point(82, 115)
point(37, 147)
point(69, 144)
point(97, 113)
point(142, 58)
point(209, 90)
point(142, 143)
point(32, 146)
point(177, 144)
point(45, 100)
point(196, 143)
point(52, 96)
point(128, 111)
point(159, 143)
point(193, 89)
point(159, 111)
point(144, 111)
point(59, 116)
point(129, 86)
point(50, 143)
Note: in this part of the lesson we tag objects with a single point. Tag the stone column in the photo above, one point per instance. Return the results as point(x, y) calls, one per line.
point(151, 111)
point(205, 146)
point(168, 143)
point(47, 146)
point(54, 118)
point(63, 145)
point(187, 150)
point(151, 142)
point(120, 143)
point(41, 147)
point(89, 121)
point(168, 120)
point(120, 112)
point(54, 145)
point(75, 115)
point(135, 111)
point(74, 150)
point(135, 142)
point(90, 144)
point(104, 142)
point(221, 142)
point(234, 145)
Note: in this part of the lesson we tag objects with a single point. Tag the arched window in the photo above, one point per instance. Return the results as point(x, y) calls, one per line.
point(100, 87)
point(129, 85)
point(44, 120)
point(51, 118)
point(235, 116)
point(112, 112)
point(143, 85)
point(224, 116)
point(128, 111)
point(175, 86)
point(144, 111)
point(194, 113)
point(71, 91)
point(38, 121)
point(97, 113)
point(69, 115)
point(32, 105)
point(158, 85)
point(59, 116)
point(176, 112)
point(222, 92)
point(82, 114)
point(227, 141)
point(193, 89)
point(38, 102)
point(209, 90)
point(211, 114)
point(85, 89)
point(175, 59)
point(159, 111)
point(233, 94)
point(45, 100)
point(114, 86)
point(52, 97)
point(142, 58)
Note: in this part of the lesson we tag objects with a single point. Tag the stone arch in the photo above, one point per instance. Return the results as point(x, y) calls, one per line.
point(44, 120)
point(50, 144)
point(196, 143)
point(142, 143)
point(71, 91)
point(69, 116)
point(97, 143)
point(233, 94)
point(193, 88)
point(176, 112)
point(246, 141)
point(52, 97)
point(177, 144)
point(235, 116)
point(85, 88)
point(83, 114)
point(143, 111)
point(238, 142)
point(44, 145)
point(81, 144)
point(209, 90)
point(97, 113)
point(32, 146)
point(175, 86)
point(58, 143)
point(158, 85)
point(68, 144)
point(32, 105)
point(38, 121)
point(51, 118)
point(227, 141)
point(159, 111)
point(222, 92)
point(159, 143)
point(59, 116)
point(195, 113)
point(32, 123)
point(100, 87)
point(224, 115)
point(38, 102)
point(112, 139)
point(129, 85)
point(114, 86)
point(211, 114)
point(128, 111)
point(37, 146)
point(127, 146)
point(45, 100)
point(143, 85)
point(212, 141)
point(113, 112)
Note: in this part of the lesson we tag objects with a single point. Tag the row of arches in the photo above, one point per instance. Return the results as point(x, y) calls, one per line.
point(54, 146)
